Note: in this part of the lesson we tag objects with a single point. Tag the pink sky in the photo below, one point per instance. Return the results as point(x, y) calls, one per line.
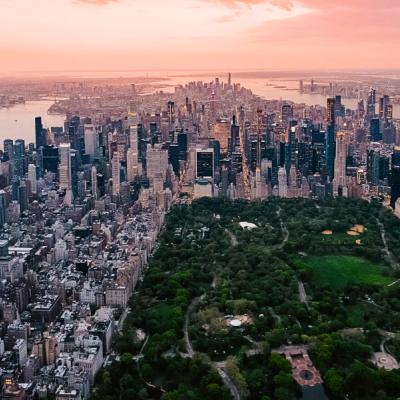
point(62, 35)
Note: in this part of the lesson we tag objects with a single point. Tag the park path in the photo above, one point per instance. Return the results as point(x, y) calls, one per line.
point(190, 350)
point(234, 241)
point(220, 367)
point(389, 255)
point(284, 229)
point(302, 293)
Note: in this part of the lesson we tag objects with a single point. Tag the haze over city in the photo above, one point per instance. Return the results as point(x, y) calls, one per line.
point(199, 200)
point(71, 35)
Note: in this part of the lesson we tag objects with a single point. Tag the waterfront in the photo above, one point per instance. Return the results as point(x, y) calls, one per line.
point(18, 122)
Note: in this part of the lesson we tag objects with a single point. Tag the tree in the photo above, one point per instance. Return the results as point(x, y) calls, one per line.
point(334, 382)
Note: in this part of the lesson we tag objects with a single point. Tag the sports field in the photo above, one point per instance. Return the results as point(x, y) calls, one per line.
point(339, 271)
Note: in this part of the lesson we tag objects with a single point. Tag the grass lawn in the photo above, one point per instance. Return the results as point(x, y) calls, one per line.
point(339, 271)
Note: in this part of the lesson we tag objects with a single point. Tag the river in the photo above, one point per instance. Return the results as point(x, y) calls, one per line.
point(18, 122)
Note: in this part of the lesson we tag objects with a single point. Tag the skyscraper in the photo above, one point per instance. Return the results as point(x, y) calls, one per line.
point(375, 129)
point(115, 166)
point(330, 140)
point(132, 154)
point(282, 182)
point(19, 157)
point(39, 133)
point(394, 185)
point(93, 178)
point(32, 178)
point(8, 146)
point(339, 181)
point(2, 208)
point(65, 166)
point(204, 163)
point(221, 133)
point(90, 138)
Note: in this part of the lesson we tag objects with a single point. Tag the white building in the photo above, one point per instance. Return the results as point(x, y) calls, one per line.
point(132, 154)
point(90, 137)
point(93, 179)
point(115, 166)
point(65, 166)
point(32, 178)
point(60, 250)
point(339, 180)
point(157, 161)
point(282, 183)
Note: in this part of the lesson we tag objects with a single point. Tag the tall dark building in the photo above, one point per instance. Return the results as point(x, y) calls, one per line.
point(394, 185)
point(183, 145)
point(204, 163)
point(375, 129)
point(234, 139)
point(339, 107)
point(50, 159)
point(173, 155)
point(330, 116)
point(23, 196)
point(19, 157)
point(287, 112)
point(396, 156)
point(330, 143)
point(2, 208)
point(8, 146)
point(39, 133)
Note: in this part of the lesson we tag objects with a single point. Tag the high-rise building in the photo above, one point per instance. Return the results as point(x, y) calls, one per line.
point(371, 103)
point(50, 159)
point(282, 182)
point(221, 133)
point(375, 129)
point(2, 208)
point(396, 156)
point(339, 181)
point(90, 138)
point(204, 163)
point(287, 112)
point(39, 133)
point(132, 154)
point(32, 178)
point(183, 145)
point(8, 146)
point(394, 185)
point(330, 142)
point(23, 196)
point(19, 157)
point(93, 181)
point(65, 173)
point(383, 103)
point(156, 161)
point(115, 167)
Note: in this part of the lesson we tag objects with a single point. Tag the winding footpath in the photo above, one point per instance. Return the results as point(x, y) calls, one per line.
point(234, 241)
point(219, 366)
point(389, 255)
point(284, 229)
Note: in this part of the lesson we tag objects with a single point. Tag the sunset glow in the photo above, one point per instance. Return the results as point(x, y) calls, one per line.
point(63, 35)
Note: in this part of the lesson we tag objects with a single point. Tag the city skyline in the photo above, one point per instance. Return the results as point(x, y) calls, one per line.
point(70, 35)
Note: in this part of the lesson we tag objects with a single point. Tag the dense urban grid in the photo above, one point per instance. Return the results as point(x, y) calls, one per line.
point(82, 208)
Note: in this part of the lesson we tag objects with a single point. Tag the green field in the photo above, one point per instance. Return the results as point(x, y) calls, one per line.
point(339, 271)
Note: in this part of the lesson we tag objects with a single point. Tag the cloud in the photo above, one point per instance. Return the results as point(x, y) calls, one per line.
point(97, 2)
point(284, 4)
